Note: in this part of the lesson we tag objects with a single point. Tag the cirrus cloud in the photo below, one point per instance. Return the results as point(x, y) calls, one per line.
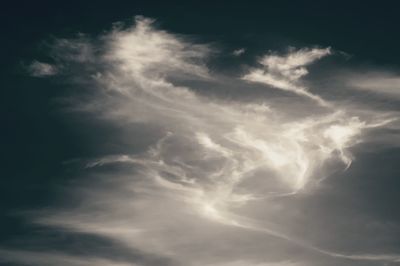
point(192, 195)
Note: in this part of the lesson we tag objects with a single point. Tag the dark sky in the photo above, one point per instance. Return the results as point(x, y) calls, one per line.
point(41, 139)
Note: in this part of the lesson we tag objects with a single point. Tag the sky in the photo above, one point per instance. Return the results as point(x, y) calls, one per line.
point(200, 134)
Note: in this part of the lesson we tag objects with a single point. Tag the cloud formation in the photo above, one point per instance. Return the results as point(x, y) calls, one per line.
point(195, 195)
point(284, 71)
point(40, 69)
point(239, 52)
point(383, 83)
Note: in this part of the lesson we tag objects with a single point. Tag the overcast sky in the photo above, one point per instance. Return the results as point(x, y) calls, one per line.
point(184, 134)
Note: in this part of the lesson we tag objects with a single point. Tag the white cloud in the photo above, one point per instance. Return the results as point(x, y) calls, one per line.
point(141, 51)
point(284, 71)
point(188, 196)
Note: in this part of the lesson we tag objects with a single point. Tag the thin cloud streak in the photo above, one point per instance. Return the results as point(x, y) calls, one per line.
point(381, 83)
point(284, 72)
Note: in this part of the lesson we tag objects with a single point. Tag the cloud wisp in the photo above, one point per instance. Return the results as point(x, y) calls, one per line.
point(284, 71)
point(40, 69)
point(238, 52)
point(382, 83)
point(188, 196)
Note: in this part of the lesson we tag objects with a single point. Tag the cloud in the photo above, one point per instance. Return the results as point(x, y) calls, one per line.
point(239, 52)
point(381, 83)
point(40, 69)
point(192, 196)
point(140, 51)
point(284, 71)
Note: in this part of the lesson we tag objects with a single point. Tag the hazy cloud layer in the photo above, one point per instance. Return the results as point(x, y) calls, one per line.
point(218, 184)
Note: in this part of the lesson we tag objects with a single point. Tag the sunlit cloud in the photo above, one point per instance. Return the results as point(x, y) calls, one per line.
point(284, 71)
point(190, 192)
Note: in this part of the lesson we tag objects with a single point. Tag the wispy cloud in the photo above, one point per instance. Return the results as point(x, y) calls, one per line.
point(239, 52)
point(40, 69)
point(284, 71)
point(383, 83)
point(188, 197)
